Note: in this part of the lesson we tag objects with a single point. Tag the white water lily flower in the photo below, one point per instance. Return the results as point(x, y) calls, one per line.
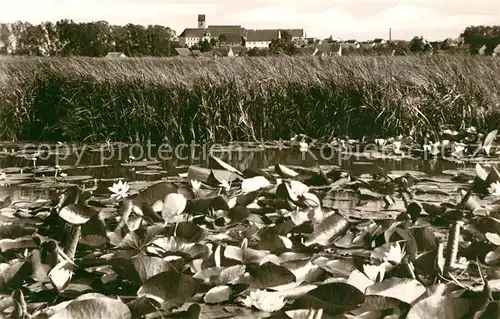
point(435, 148)
point(195, 185)
point(459, 150)
point(119, 190)
point(224, 184)
point(394, 256)
point(471, 130)
point(375, 273)
point(494, 189)
point(432, 148)
point(303, 146)
point(265, 300)
point(174, 204)
point(3, 176)
point(397, 147)
point(380, 141)
point(63, 174)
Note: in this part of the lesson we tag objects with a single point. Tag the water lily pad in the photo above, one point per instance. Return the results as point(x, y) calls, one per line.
point(9, 182)
point(75, 178)
point(138, 185)
point(92, 166)
point(412, 173)
point(48, 185)
point(93, 305)
point(140, 163)
point(77, 214)
point(466, 171)
point(151, 173)
point(44, 170)
point(10, 170)
point(170, 288)
point(20, 176)
point(59, 179)
point(155, 167)
point(363, 163)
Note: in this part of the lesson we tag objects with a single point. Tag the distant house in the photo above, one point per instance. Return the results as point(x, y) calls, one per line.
point(378, 41)
point(228, 34)
point(230, 39)
point(295, 34)
point(220, 52)
point(351, 44)
point(328, 50)
point(312, 41)
point(234, 35)
point(261, 38)
point(191, 36)
point(447, 43)
point(366, 45)
point(115, 55)
point(496, 50)
point(183, 52)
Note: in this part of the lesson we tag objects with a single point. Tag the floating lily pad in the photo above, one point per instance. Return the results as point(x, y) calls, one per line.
point(466, 171)
point(60, 179)
point(412, 173)
point(363, 163)
point(155, 167)
point(151, 173)
point(10, 170)
point(94, 166)
point(75, 178)
point(23, 176)
point(138, 185)
point(140, 163)
point(46, 185)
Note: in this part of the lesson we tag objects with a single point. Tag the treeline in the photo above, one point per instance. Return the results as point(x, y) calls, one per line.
point(95, 39)
point(479, 36)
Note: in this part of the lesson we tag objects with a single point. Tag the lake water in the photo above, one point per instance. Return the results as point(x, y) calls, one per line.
point(113, 161)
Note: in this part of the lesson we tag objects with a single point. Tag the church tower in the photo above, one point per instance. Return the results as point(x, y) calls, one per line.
point(201, 21)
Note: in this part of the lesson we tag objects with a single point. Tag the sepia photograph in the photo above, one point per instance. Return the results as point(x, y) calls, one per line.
point(321, 159)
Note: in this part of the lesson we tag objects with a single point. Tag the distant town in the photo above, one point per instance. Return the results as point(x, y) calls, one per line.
point(99, 39)
point(234, 40)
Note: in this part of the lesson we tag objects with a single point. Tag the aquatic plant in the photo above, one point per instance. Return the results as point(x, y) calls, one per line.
point(265, 243)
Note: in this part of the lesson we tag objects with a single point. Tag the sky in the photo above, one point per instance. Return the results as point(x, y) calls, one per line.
point(343, 19)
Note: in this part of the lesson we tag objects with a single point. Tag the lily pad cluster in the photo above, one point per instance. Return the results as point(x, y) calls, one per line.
point(276, 242)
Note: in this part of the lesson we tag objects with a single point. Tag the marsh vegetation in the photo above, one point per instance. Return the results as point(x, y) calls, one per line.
point(92, 99)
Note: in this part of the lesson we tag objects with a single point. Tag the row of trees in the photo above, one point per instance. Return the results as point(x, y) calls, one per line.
point(478, 36)
point(94, 39)
point(65, 38)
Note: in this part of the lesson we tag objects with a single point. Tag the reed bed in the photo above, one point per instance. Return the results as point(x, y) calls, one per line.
point(202, 99)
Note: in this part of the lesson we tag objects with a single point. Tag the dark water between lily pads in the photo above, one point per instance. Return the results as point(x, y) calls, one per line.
point(30, 180)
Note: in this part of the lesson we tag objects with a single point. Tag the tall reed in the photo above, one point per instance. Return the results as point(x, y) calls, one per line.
point(203, 99)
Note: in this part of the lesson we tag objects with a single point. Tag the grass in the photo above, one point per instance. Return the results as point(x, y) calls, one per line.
point(87, 99)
